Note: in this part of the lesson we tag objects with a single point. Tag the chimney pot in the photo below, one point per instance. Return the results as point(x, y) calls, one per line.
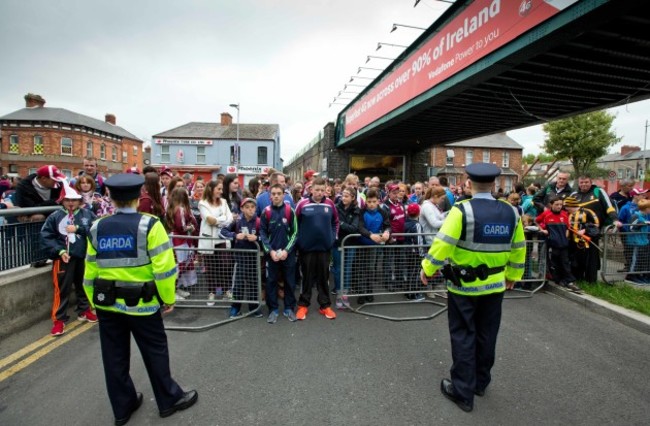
point(32, 101)
point(110, 118)
point(226, 119)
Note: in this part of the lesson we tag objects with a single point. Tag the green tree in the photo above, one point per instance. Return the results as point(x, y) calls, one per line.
point(582, 139)
point(543, 158)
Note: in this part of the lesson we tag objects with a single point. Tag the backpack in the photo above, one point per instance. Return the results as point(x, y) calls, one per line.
point(287, 212)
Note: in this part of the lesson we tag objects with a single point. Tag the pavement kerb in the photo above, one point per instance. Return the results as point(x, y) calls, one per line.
point(624, 316)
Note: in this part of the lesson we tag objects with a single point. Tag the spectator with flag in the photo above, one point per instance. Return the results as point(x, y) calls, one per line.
point(63, 238)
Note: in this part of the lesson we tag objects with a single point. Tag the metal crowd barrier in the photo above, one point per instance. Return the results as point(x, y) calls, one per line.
point(626, 256)
point(389, 271)
point(19, 239)
point(392, 271)
point(215, 279)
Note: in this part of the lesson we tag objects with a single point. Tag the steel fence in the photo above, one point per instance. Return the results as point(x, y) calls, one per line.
point(391, 271)
point(20, 238)
point(626, 255)
point(219, 279)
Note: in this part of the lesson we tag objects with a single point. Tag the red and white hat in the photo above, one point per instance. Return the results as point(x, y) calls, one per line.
point(68, 193)
point(637, 191)
point(52, 172)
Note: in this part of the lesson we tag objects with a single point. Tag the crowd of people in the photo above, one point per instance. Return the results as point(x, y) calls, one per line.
point(300, 226)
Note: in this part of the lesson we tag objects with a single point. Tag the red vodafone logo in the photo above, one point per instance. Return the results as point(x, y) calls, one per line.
point(231, 169)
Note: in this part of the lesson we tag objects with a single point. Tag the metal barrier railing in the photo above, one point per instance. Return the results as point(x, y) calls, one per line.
point(387, 270)
point(218, 279)
point(394, 269)
point(20, 238)
point(626, 256)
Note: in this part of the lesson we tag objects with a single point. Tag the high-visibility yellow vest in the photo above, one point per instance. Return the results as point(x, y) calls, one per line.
point(476, 232)
point(131, 248)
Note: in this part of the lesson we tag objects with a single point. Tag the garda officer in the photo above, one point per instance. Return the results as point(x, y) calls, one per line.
point(483, 239)
point(130, 276)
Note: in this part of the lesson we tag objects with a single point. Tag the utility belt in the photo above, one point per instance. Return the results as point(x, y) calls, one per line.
point(107, 291)
point(460, 274)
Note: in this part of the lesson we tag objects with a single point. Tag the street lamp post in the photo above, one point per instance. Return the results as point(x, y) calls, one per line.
point(236, 150)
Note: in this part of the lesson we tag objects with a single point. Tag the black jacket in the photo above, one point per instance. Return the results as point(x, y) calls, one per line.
point(27, 196)
point(348, 223)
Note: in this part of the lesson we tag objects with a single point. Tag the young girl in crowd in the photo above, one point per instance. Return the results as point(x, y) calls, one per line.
point(180, 222)
point(215, 214)
point(431, 213)
point(150, 200)
point(348, 225)
point(197, 195)
point(232, 195)
point(85, 186)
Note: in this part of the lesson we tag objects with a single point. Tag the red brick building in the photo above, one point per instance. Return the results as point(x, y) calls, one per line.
point(38, 135)
point(450, 160)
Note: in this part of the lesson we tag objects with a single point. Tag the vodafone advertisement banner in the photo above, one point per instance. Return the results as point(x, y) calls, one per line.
point(483, 27)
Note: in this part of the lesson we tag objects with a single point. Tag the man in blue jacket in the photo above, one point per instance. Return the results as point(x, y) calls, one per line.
point(278, 231)
point(318, 224)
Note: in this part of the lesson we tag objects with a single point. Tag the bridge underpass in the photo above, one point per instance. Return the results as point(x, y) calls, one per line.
point(589, 55)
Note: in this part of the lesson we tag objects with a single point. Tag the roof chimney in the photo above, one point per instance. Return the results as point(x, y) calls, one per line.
point(626, 149)
point(32, 101)
point(226, 119)
point(110, 118)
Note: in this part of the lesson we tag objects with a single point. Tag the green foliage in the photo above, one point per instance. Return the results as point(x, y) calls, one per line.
point(582, 139)
point(543, 158)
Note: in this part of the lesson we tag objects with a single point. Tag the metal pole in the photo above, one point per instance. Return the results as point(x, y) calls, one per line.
point(238, 148)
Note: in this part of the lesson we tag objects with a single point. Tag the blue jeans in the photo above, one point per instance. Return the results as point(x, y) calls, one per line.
point(336, 267)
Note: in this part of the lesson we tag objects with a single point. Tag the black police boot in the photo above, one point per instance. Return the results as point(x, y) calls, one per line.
point(447, 390)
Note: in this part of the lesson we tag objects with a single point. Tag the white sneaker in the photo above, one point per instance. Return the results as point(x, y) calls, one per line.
point(182, 293)
point(229, 295)
point(179, 297)
point(210, 299)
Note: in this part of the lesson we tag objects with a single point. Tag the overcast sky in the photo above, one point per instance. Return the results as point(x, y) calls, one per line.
point(158, 64)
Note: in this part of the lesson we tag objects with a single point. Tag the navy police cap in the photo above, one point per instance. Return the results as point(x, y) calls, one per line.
point(125, 186)
point(482, 172)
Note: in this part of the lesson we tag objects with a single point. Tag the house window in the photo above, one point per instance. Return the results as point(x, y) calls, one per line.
point(200, 155)
point(508, 184)
point(14, 147)
point(114, 154)
point(38, 145)
point(89, 149)
point(620, 173)
point(66, 146)
point(165, 157)
point(135, 150)
point(102, 152)
point(234, 154)
point(124, 157)
point(67, 172)
point(262, 155)
point(506, 159)
point(469, 157)
point(486, 155)
point(450, 157)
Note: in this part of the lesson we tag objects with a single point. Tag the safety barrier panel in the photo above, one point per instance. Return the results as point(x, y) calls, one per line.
point(626, 256)
point(20, 238)
point(216, 278)
point(391, 271)
point(535, 272)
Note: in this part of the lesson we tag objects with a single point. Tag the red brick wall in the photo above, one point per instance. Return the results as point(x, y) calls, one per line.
point(52, 150)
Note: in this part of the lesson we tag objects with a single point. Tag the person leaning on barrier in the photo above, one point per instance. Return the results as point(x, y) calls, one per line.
point(39, 189)
point(130, 275)
point(483, 239)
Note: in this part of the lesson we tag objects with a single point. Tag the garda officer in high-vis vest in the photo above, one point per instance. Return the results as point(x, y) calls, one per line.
point(129, 278)
point(483, 241)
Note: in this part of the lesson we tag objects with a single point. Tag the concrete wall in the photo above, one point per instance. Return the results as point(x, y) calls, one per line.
point(25, 297)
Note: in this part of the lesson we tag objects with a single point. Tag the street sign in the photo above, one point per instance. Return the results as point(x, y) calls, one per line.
point(612, 174)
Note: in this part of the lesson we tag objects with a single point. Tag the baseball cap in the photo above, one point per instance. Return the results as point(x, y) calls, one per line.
point(164, 170)
point(636, 191)
point(247, 200)
point(310, 173)
point(68, 193)
point(52, 172)
point(413, 209)
point(134, 170)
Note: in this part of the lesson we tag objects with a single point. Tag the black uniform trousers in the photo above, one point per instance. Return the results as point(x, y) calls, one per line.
point(315, 270)
point(473, 326)
point(65, 276)
point(149, 333)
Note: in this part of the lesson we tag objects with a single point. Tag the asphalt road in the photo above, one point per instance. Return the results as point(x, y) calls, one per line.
point(557, 364)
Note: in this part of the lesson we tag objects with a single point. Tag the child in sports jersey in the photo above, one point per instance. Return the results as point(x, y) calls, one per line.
point(245, 235)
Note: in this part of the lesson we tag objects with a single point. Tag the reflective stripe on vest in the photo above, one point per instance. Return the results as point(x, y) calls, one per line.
point(487, 288)
point(471, 245)
point(142, 255)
